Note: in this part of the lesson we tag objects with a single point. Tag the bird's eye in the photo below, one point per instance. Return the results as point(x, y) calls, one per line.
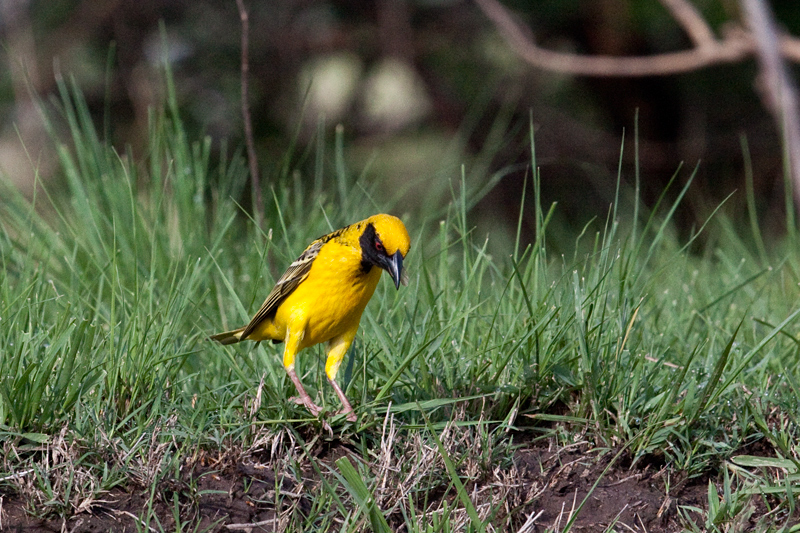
point(379, 246)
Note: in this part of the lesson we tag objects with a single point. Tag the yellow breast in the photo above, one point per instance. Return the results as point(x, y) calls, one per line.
point(330, 301)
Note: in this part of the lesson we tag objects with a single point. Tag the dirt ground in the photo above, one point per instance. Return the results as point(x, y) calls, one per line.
point(631, 499)
point(240, 497)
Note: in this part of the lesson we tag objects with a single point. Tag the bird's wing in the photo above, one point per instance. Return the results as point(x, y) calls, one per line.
point(294, 276)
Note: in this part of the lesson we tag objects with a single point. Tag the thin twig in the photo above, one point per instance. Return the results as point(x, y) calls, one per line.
point(237, 527)
point(135, 519)
point(530, 523)
point(248, 125)
point(17, 475)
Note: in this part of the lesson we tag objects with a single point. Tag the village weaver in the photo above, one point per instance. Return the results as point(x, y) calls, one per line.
point(321, 296)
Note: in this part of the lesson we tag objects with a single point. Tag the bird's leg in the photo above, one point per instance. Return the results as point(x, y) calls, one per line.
point(304, 398)
point(337, 348)
point(348, 409)
point(293, 339)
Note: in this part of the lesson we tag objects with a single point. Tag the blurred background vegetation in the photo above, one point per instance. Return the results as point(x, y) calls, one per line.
point(420, 88)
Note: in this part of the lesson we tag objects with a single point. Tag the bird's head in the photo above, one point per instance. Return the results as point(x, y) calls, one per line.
point(385, 243)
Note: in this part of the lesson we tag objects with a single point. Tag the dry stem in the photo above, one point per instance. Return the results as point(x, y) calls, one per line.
point(252, 158)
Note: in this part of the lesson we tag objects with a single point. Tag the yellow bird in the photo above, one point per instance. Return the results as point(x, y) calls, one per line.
point(321, 296)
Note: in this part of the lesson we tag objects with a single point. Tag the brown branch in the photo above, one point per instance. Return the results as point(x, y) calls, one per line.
point(735, 46)
point(777, 87)
point(252, 158)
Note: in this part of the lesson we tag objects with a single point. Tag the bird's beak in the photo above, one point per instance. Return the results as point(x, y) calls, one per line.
point(394, 266)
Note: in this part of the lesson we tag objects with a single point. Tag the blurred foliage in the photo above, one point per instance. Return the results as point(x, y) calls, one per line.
point(409, 81)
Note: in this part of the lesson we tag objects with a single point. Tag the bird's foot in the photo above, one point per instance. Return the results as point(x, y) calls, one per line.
point(313, 408)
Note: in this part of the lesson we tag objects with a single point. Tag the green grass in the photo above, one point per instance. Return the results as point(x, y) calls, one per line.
point(111, 282)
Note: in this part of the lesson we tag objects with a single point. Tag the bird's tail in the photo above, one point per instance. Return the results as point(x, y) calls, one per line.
point(228, 337)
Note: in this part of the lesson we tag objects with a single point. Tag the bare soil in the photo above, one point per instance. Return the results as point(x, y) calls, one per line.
point(242, 497)
point(630, 499)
